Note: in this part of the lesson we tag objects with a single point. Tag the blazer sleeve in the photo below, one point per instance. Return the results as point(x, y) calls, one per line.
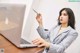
point(44, 34)
point(59, 48)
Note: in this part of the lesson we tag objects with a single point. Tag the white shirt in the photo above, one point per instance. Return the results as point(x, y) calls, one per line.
point(61, 30)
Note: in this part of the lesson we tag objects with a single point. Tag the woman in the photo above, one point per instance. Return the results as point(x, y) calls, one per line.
point(60, 36)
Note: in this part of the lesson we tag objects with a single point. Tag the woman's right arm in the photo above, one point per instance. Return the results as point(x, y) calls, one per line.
point(44, 34)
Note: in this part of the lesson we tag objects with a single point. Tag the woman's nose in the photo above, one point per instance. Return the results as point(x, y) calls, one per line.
point(61, 17)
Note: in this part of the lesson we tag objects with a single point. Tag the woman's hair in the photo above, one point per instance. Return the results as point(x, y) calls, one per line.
point(71, 19)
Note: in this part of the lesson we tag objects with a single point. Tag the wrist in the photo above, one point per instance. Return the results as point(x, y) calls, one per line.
point(41, 25)
point(48, 45)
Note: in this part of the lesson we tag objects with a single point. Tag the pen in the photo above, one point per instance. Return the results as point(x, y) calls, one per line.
point(35, 11)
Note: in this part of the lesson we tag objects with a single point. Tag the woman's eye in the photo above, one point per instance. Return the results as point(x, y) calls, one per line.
point(65, 14)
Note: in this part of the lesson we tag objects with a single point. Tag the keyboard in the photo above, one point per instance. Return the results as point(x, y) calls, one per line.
point(24, 41)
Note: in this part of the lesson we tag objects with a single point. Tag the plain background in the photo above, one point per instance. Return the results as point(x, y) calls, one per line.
point(50, 11)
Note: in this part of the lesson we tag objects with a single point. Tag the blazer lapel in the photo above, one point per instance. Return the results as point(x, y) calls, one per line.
point(67, 29)
point(54, 33)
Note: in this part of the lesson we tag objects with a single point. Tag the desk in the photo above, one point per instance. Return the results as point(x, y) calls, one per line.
point(10, 48)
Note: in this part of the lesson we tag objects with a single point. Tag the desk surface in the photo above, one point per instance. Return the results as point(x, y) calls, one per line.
point(10, 48)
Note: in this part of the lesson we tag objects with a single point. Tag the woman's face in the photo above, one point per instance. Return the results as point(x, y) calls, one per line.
point(63, 17)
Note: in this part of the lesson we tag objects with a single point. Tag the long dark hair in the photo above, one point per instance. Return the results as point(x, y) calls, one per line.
point(71, 19)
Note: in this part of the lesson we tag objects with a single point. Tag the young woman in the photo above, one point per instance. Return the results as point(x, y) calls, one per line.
point(61, 36)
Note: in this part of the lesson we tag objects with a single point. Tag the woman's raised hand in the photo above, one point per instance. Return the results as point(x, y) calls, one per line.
point(39, 19)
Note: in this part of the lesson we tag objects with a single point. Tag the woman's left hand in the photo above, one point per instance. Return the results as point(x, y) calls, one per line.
point(41, 43)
